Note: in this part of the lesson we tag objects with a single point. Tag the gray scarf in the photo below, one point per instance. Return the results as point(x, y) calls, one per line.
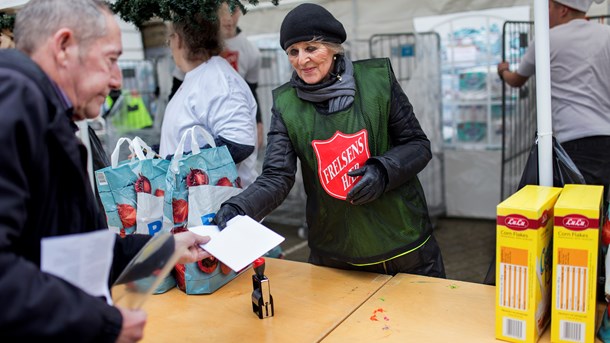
point(338, 90)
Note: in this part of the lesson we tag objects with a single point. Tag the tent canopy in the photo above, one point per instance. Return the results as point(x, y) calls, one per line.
point(363, 18)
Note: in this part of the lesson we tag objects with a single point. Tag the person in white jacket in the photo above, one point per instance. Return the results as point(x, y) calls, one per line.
point(213, 95)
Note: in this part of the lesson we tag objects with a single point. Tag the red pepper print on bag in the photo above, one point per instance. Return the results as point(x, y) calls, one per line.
point(127, 214)
point(142, 184)
point(225, 182)
point(225, 269)
point(179, 271)
point(197, 177)
point(180, 210)
point(208, 265)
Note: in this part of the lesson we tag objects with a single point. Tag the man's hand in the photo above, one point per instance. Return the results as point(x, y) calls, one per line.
point(226, 213)
point(187, 243)
point(371, 185)
point(133, 325)
point(513, 79)
point(502, 67)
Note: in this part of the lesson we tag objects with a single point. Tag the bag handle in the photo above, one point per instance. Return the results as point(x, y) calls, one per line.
point(135, 148)
point(206, 136)
point(139, 145)
point(191, 131)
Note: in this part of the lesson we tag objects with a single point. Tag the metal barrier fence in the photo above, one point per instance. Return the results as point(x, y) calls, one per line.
point(519, 105)
point(518, 108)
point(415, 59)
point(275, 71)
point(133, 113)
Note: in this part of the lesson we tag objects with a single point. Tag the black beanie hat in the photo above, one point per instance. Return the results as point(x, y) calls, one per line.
point(308, 21)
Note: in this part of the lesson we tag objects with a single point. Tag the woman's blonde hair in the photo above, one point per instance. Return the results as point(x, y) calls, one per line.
point(336, 48)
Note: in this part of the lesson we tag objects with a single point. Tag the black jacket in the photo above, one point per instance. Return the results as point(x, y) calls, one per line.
point(408, 156)
point(45, 191)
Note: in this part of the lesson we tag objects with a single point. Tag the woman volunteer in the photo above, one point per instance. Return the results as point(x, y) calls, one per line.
point(360, 146)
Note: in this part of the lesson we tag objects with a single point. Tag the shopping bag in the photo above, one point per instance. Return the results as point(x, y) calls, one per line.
point(132, 193)
point(197, 184)
point(564, 170)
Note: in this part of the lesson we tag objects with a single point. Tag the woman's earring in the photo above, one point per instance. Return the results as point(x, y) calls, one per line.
point(335, 57)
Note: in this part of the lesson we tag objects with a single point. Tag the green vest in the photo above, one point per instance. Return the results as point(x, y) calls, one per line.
point(133, 115)
point(329, 145)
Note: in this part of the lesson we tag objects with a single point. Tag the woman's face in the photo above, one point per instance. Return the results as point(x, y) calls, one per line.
point(311, 60)
point(172, 43)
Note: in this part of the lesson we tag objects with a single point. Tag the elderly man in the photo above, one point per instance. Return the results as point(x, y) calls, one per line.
point(64, 66)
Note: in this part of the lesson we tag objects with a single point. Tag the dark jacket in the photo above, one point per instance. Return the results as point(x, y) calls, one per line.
point(409, 154)
point(45, 191)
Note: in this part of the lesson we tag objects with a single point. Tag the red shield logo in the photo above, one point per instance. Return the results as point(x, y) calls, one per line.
point(232, 57)
point(338, 155)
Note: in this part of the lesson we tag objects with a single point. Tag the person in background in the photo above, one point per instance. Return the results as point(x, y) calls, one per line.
point(213, 96)
point(580, 86)
point(245, 58)
point(360, 146)
point(242, 55)
point(6, 30)
point(64, 66)
point(6, 39)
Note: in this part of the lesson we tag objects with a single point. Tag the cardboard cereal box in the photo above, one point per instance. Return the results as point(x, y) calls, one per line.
point(523, 263)
point(575, 249)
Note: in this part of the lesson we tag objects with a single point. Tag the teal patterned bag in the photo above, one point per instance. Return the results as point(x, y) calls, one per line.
point(132, 193)
point(197, 184)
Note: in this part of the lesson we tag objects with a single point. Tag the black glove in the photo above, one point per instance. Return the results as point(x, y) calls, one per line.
point(226, 213)
point(371, 185)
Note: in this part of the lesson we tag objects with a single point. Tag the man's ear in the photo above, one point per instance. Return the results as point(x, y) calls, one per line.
point(63, 46)
point(564, 11)
point(179, 41)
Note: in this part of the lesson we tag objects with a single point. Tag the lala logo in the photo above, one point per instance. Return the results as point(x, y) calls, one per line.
point(575, 222)
point(338, 155)
point(516, 222)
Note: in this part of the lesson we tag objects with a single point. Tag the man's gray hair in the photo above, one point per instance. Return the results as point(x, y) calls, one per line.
point(40, 19)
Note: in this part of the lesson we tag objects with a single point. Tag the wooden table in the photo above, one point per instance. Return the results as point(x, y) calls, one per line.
point(309, 301)
point(411, 308)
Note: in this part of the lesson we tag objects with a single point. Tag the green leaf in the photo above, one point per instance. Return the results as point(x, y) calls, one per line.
point(7, 21)
point(140, 11)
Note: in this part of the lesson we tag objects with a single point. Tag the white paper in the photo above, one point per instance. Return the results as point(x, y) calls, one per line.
point(83, 260)
point(240, 243)
point(205, 230)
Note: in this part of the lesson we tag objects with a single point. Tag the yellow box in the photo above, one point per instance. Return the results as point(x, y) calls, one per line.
point(523, 261)
point(575, 249)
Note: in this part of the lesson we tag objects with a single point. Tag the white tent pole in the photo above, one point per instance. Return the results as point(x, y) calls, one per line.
point(543, 93)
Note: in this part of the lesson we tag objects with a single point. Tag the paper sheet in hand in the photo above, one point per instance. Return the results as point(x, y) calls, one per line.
point(146, 271)
point(240, 243)
point(83, 260)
